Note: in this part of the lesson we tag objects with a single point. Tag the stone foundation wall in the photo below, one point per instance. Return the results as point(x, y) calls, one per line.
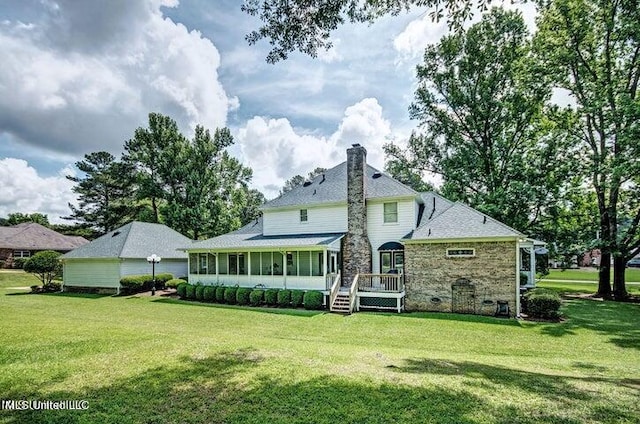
point(430, 275)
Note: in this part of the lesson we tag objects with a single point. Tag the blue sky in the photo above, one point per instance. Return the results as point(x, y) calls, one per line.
point(80, 76)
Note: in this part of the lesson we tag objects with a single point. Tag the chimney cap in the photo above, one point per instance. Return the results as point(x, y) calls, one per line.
point(355, 145)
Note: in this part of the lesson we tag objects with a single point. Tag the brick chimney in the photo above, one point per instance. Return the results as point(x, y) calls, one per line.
point(356, 248)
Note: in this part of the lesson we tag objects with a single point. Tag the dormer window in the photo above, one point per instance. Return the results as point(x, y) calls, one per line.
point(390, 212)
point(303, 215)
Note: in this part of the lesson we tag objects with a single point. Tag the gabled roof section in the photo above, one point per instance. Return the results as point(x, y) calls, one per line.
point(33, 236)
point(254, 227)
point(331, 187)
point(133, 241)
point(460, 221)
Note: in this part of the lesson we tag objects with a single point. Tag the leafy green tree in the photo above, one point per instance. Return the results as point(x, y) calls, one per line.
point(206, 187)
point(19, 218)
point(146, 152)
point(46, 265)
point(253, 199)
point(484, 132)
point(104, 192)
point(306, 26)
point(402, 171)
point(591, 48)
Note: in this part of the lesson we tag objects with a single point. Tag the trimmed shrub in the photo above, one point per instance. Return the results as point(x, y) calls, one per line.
point(191, 291)
point(242, 296)
point(173, 283)
point(182, 290)
point(133, 283)
point(209, 294)
point(46, 265)
point(18, 263)
point(161, 280)
point(271, 297)
point(541, 303)
point(230, 295)
point(256, 297)
point(220, 294)
point(524, 279)
point(296, 298)
point(313, 299)
point(284, 298)
point(199, 292)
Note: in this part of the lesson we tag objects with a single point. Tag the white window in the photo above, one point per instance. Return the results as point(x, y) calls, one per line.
point(303, 215)
point(21, 253)
point(391, 212)
point(461, 253)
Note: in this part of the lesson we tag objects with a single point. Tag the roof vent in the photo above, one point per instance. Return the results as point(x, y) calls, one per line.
point(306, 183)
point(314, 192)
point(115, 233)
point(323, 178)
point(484, 220)
point(355, 145)
point(376, 175)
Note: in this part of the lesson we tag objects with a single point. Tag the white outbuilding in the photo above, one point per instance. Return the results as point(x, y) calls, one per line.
point(124, 251)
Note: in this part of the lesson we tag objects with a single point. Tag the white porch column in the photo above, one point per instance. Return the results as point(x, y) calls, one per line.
point(532, 266)
point(517, 311)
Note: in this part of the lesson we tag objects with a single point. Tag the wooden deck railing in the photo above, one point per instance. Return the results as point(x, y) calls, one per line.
point(392, 283)
point(335, 288)
point(352, 293)
point(330, 279)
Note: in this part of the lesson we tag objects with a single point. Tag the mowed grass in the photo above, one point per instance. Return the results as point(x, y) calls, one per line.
point(589, 274)
point(155, 360)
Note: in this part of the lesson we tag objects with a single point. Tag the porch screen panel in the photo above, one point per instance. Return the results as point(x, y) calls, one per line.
point(278, 265)
point(203, 264)
point(304, 259)
point(292, 263)
point(267, 265)
point(317, 263)
point(212, 263)
point(242, 264)
point(233, 264)
point(193, 263)
point(222, 264)
point(255, 263)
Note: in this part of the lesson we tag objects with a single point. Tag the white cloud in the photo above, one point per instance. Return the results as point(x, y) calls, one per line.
point(23, 190)
point(276, 151)
point(83, 77)
point(419, 33)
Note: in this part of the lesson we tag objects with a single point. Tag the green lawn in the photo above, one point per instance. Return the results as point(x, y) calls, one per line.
point(589, 274)
point(144, 360)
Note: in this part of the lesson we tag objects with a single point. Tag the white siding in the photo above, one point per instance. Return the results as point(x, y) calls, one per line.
point(177, 267)
point(380, 232)
point(92, 273)
point(325, 219)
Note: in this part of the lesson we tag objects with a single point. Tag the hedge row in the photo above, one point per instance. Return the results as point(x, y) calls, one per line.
point(542, 303)
point(255, 297)
point(138, 283)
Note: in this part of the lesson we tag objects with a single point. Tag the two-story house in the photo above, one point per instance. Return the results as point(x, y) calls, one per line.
point(368, 241)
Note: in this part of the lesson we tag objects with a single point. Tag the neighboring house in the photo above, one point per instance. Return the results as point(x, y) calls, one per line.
point(26, 239)
point(368, 241)
point(101, 263)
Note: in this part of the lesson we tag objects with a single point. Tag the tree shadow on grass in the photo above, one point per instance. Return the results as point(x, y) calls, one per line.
point(225, 388)
point(619, 321)
point(263, 310)
point(79, 295)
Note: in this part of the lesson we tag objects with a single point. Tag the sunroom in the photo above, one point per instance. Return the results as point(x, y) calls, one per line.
point(307, 262)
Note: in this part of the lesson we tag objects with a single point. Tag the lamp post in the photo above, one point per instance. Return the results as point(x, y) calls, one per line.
point(153, 260)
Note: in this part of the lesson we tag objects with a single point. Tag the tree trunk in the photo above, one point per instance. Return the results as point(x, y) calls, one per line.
point(619, 287)
point(604, 276)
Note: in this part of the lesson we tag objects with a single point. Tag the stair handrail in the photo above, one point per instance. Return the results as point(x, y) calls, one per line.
point(335, 288)
point(352, 293)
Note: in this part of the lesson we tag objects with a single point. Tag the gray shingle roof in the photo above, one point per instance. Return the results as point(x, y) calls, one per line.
point(243, 240)
point(32, 236)
point(135, 240)
point(332, 188)
point(460, 221)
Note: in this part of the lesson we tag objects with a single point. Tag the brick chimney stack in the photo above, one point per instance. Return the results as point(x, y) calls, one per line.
point(356, 248)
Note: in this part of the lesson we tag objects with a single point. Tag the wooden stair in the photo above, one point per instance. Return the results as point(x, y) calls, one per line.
point(341, 303)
